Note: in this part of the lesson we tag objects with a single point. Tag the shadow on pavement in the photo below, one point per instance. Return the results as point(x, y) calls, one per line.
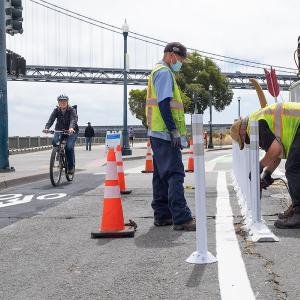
point(286, 233)
point(196, 276)
point(159, 237)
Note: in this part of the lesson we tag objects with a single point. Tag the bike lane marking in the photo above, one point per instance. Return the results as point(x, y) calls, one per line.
point(233, 278)
point(15, 199)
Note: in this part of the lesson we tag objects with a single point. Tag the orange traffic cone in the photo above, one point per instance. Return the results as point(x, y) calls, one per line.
point(112, 224)
point(190, 167)
point(120, 171)
point(149, 161)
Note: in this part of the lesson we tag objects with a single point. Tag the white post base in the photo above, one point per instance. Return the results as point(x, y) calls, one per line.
point(259, 232)
point(201, 258)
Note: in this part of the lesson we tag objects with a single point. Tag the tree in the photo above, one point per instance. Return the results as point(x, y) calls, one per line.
point(194, 80)
point(137, 104)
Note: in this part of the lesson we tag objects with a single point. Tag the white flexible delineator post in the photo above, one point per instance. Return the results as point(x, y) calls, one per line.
point(258, 230)
point(246, 161)
point(201, 255)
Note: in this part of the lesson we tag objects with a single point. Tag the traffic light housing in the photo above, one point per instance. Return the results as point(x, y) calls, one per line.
point(13, 14)
point(16, 64)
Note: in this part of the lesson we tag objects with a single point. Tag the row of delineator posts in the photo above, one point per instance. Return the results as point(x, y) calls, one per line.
point(246, 180)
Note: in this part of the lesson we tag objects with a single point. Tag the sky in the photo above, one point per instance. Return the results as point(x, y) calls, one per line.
point(262, 31)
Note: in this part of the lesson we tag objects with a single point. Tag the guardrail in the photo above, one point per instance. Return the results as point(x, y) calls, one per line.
point(246, 181)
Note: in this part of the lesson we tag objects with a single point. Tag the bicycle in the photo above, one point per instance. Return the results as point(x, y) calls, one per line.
point(58, 159)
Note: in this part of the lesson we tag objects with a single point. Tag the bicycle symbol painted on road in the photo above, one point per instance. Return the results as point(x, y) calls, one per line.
point(15, 199)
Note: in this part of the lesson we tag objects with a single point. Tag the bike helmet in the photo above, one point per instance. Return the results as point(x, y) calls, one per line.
point(62, 97)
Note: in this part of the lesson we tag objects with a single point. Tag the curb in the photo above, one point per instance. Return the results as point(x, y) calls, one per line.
point(18, 181)
point(27, 150)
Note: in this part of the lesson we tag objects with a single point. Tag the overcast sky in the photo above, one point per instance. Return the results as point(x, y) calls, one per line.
point(263, 31)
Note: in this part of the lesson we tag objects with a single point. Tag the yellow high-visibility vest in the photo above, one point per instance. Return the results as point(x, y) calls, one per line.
point(155, 121)
point(283, 120)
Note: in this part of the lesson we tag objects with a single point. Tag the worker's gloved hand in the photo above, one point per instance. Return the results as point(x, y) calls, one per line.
point(261, 168)
point(175, 138)
point(266, 179)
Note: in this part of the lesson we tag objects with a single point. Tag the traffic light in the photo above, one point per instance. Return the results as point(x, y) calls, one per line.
point(16, 64)
point(13, 12)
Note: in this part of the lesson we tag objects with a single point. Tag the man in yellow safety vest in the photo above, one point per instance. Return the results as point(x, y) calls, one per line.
point(279, 136)
point(167, 130)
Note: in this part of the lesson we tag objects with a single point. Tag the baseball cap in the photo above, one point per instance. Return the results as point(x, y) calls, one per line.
point(177, 48)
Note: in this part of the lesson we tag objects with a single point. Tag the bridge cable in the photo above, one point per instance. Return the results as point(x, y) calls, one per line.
point(160, 41)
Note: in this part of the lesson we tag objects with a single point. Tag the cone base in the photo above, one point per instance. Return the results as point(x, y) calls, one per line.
point(126, 192)
point(147, 171)
point(190, 171)
point(126, 233)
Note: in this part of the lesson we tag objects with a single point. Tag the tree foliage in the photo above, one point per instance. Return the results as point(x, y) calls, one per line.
point(194, 80)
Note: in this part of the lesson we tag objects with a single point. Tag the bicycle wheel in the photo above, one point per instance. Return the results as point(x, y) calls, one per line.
point(70, 177)
point(55, 167)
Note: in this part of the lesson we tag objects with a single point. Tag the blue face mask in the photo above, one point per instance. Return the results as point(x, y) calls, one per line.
point(177, 66)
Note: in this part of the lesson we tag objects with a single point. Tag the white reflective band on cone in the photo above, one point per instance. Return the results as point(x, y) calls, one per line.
point(112, 192)
point(111, 171)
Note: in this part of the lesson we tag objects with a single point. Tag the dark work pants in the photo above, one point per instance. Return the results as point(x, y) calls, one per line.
point(168, 192)
point(292, 170)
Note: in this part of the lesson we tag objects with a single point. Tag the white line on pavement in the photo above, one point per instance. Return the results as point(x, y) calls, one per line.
point(233, 279)
point(210, 164)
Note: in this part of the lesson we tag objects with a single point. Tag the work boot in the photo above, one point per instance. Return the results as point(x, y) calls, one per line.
point(292, 221)
point(288, 212)
point(164, 222)
point(190, 225)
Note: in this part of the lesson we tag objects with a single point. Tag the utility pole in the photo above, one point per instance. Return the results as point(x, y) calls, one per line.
point(210, 143)
point(4, 163)
point(125, 149)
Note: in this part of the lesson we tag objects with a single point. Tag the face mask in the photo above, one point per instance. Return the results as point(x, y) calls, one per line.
point(177, 66)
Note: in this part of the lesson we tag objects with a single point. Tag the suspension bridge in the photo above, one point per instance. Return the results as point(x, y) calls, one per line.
point(61, 45)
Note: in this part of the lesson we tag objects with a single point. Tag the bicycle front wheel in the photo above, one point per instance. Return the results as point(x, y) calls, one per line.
point(55, 167)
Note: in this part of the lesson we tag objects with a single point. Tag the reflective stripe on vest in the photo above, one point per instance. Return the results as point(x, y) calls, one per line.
point(173, 103)
point(288, 113)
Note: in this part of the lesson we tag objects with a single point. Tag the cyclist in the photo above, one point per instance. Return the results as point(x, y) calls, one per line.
point(66, 119)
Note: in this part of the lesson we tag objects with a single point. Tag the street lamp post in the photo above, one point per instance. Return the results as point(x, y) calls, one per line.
point(239, 107)
point(210, 143)
point(125, 149)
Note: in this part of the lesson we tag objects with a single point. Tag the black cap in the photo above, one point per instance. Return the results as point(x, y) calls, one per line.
point(89, 122)
point(177, 48)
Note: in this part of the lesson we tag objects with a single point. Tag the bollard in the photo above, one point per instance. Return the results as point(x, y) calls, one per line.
point(201, 255)
point(258, 230)
point(254, 167)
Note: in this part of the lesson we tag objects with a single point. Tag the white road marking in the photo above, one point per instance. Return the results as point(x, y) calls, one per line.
point(233, 279)
point(210, 164)
point(15, 199)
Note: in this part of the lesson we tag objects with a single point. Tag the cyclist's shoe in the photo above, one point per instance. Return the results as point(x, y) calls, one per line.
point(71, 171)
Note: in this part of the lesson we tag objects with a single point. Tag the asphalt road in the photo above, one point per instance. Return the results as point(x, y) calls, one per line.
point(48, 253)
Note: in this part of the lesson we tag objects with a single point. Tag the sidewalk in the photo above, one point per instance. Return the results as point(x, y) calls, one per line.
point(34, 166)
